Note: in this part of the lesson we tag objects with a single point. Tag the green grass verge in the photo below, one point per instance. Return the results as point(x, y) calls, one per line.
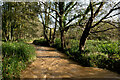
point(16, 56)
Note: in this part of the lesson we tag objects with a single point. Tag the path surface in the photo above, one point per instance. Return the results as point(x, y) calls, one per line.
point(51, 63)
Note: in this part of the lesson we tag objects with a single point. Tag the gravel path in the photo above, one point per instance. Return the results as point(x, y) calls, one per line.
point(54, 65)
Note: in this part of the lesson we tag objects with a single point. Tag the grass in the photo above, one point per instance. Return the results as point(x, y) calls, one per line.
point(16, 56)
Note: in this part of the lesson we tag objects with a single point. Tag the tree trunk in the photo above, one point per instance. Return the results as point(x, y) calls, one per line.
point(53, 37)
point(61, 11)
point(62, 40)
point(44, 32)
point(83, 39)
point(85, 35)
point(50, 34)
point(86, 31)
point(11, 33)
point(46, 25)
point(5, 34)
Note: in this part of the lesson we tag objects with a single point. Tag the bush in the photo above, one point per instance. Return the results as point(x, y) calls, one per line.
point(15, 58)
point(41, 42)
point(57, 43)
point(110, 48)
point(74, 47)
point(21, 40)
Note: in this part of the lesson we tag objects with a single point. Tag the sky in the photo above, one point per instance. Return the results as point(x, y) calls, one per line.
point(98, 18)
point(83, 1)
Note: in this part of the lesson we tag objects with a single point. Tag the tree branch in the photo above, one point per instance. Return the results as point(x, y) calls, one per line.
point(98, 10)
point(105, 16)
point(110, 23)
point(52, 9)
point(86, 12)
point(112, 15)
point(52, 16)
point(74, 18)
point(116, 4)
point(67, 11)
point(101, 19)
point(75, 24)
point(71, 3)
point(42, 18)
point(102, 30)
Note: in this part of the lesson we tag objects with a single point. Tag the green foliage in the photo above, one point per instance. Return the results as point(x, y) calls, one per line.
point(101, 60)
point(15, 58)
point(21, 40)
point(110, 48)
point(74, 47)
point(102, 54)
point(96, 59)
point(20, 20)
point(41, 42)
point(93, 45)
point(57, 43)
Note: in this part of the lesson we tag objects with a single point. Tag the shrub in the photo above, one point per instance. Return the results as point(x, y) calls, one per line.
point(21, 40)
point(41, 42)
point(57, 43)
point(15, 58)
point(110, 48)
point(74, 47)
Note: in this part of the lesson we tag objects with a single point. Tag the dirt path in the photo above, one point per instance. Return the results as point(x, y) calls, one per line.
point(50, 63)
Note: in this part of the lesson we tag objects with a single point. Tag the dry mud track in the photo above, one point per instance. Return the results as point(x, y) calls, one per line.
point(54, 65)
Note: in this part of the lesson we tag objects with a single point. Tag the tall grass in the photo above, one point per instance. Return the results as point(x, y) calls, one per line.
point(16, 56)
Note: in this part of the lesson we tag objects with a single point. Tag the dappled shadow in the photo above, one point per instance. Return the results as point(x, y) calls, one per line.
point(54, 65)
point(67, 79)
point(45, 50)
point(51, 57)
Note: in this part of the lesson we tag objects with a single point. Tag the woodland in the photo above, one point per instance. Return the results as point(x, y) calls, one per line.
point(87, 32)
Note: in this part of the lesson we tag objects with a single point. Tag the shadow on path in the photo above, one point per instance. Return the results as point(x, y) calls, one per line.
point(54, 65)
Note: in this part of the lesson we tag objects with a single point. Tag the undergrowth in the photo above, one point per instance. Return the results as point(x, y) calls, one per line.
point(16, 56)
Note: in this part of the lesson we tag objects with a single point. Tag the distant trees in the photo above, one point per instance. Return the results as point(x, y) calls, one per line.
point(17, 19)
